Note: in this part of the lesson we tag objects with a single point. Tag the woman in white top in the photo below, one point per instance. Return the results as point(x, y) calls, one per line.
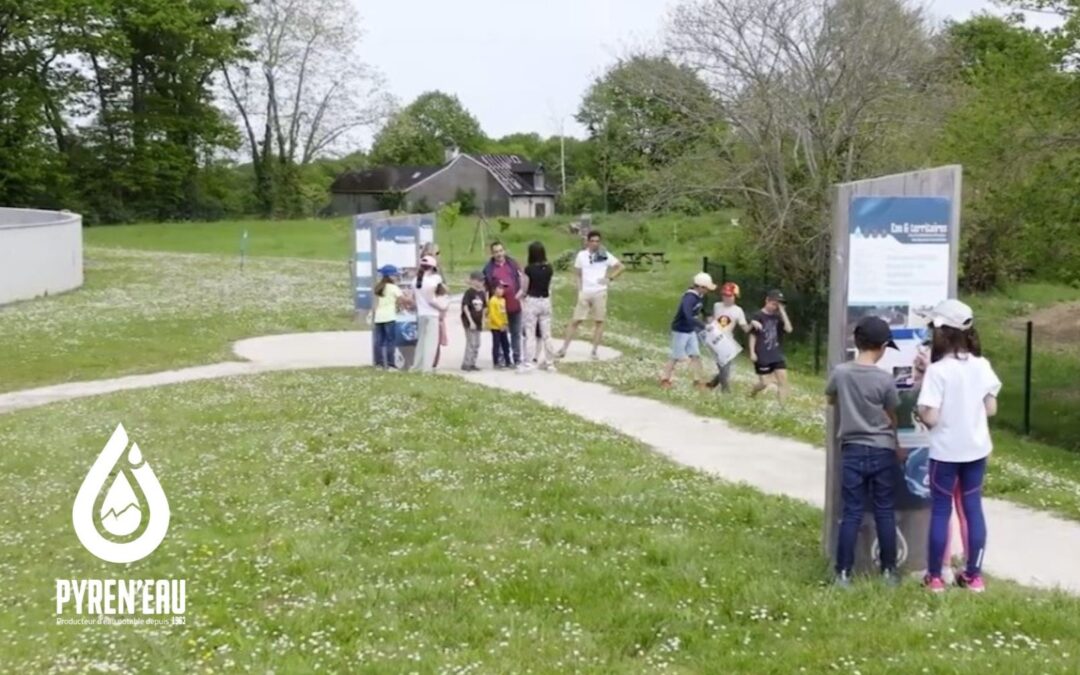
point(427, 315)
point(958, 395)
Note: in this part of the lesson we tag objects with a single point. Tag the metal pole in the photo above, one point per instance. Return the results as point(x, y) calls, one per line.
point(562, 157)
point(705, 263)
point(1027, 378)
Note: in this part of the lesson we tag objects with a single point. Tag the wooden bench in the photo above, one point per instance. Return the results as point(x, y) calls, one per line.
point(638, 259)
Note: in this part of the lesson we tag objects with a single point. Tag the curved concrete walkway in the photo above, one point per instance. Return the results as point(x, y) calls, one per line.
point(1027, 546)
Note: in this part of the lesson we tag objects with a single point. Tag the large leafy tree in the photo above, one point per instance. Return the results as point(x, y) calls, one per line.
point(422, 132)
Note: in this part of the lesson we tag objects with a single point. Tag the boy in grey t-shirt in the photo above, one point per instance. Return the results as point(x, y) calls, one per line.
point(866, 399)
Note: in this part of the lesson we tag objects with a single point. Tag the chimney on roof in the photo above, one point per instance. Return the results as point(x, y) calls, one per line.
point(451, 153)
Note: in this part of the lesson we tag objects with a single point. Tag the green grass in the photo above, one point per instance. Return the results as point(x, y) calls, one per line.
point(349, 521)
point(1055, 363)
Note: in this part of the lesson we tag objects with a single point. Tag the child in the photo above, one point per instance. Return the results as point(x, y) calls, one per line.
point(684, 329)
point(766, 349)
point(958, 395)
point(866, 399)
point(499, 325)
point(442, 304)
point(726, 316)
point(472, 318)
point(387, 297)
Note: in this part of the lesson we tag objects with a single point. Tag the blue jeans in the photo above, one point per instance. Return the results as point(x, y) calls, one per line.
point(385, 338)
point(869, 474)
point(945, 479)
point(515, 336)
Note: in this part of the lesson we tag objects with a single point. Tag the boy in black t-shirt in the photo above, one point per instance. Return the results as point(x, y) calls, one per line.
point(766, 349)
point(472, 317)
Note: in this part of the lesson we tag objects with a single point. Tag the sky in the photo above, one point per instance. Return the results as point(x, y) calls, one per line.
point(523, 65)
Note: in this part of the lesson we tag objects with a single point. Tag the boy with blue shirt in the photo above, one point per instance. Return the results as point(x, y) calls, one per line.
point(866, 400)
point(685, 328)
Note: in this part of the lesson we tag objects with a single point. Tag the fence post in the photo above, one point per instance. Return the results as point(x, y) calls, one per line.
point(705, 264)
point(1027, 378)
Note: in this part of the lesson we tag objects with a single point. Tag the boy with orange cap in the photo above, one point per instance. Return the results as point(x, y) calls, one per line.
point(726, 316)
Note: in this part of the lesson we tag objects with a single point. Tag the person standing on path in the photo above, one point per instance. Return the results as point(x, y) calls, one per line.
point(958, 396)
point(498, 324)
point(472, 318)
point(537, 309)
point(595, 269)
point(866, 399)
point(726, 316)
point(766, 347)
point(387, 297)
point(685, 328)
point(502, 269)
point(428, 281)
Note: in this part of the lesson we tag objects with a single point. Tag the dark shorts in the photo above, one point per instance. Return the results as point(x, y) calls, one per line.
point(769, 368)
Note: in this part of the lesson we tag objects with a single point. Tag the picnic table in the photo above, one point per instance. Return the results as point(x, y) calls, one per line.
point(638, 259)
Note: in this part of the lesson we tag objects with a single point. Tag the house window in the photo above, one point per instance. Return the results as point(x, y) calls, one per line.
point(538, 180)
point(541, 210)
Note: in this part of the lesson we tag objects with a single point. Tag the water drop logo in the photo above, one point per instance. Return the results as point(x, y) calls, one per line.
point(121, 513)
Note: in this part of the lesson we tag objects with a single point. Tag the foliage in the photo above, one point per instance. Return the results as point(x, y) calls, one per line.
point(584, 196)
point(466, 200)
point(423, 131)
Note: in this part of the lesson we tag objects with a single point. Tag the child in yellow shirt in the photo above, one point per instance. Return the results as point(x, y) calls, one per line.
point(499, 325)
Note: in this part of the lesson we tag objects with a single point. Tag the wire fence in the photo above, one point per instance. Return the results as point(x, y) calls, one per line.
point(1040, 372)
point(809, 313)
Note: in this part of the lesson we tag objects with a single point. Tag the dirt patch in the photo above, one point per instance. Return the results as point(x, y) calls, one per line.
point(1056, 326)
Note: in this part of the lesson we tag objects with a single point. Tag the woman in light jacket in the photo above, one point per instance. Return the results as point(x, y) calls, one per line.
point(427, 315)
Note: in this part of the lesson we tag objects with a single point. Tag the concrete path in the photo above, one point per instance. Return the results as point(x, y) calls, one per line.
point(1027, 546)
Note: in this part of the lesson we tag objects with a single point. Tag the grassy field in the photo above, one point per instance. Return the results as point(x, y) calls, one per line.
point(145, 310)
point(320, 531)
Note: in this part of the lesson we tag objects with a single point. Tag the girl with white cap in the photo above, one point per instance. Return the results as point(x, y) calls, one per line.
point(958, 396)
point(428, 313)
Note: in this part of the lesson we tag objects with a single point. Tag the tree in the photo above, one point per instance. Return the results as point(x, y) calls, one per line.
point(806, 89)
point(1017, 134)
point(641, 115)
point(303, 91)
point(423, 131)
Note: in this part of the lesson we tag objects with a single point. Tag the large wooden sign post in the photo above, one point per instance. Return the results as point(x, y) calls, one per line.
point(896, 243)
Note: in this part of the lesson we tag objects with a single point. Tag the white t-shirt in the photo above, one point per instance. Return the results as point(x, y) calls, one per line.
point(726, 318)
point(957, 387)
point(427, 290)
point(593, 273)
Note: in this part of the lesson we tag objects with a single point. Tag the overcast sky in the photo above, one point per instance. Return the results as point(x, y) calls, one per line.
point(522, 65)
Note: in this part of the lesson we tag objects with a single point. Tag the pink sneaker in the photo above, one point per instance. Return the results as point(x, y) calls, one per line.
point(972, 582)
point(934, 584)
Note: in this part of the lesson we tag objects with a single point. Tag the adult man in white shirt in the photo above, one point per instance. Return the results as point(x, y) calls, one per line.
point(595, 269)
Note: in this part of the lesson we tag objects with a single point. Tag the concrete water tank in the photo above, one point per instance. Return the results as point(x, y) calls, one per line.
point(41, 253)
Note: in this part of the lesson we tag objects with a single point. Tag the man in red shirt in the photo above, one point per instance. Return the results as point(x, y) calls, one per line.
point(502, 269)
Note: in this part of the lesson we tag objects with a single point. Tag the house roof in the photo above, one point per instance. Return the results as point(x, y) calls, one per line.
point(382, 179)
point(512, 172)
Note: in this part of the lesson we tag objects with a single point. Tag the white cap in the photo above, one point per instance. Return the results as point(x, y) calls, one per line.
point(704, 280)
point(952, 313)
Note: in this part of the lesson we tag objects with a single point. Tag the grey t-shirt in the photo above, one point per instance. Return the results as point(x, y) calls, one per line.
point(863, 394)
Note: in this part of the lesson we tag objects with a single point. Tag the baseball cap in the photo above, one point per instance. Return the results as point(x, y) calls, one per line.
point(704, 280)
point(429, 261)
point(388, 271)
point(875, 331)
point(730, 288)
point(775, 294)
point(952, 313)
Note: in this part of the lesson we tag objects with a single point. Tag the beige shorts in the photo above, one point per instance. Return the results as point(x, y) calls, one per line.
point(591, 307)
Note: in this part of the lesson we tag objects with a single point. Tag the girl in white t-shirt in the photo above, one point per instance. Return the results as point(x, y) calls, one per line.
point(428, 313)
point(958, 395)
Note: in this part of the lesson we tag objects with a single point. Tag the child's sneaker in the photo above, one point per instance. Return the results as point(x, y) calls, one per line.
point(526, 368)
point(934, 584)
point(842, 580)
point(891, 578)
point(972, 582)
